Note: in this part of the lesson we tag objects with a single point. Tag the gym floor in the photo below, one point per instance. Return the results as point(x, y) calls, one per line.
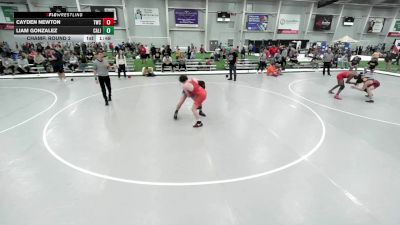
point(275, 151)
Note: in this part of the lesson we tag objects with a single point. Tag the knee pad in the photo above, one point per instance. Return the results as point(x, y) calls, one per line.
point(341, 87)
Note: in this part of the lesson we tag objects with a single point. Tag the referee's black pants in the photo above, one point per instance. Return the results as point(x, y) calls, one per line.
point(105, 82)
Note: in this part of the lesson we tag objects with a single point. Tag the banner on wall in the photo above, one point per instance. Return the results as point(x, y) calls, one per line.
point(323, 22)
point(7, 14)
point(395, 30)
point(257, 22)
point(106, 9)
point(375, 25)
point(289, 24)
point(147, 16)
point(186, 17)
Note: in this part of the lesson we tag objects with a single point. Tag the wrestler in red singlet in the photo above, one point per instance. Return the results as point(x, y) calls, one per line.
point(340, 79)
point(198, 93)
point(191, 88)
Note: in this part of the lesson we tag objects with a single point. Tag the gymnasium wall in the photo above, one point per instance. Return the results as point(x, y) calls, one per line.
point(227, 31)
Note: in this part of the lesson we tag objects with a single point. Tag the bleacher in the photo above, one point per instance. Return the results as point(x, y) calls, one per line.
point(88, 68)
point(303, 64)
point(191, 65)
point(244, 64)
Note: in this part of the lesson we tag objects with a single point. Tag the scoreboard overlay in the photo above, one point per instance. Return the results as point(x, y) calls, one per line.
point(67, 26)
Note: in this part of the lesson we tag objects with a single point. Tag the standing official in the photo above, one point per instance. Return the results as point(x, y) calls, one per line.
point(100, 70)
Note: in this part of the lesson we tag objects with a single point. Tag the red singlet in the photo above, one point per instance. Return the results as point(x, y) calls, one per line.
point(375, 83)
point(199, 94)
point(342, 75)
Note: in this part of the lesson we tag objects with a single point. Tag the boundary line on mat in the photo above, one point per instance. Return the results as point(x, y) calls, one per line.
point(36, 115)
point(200, 183)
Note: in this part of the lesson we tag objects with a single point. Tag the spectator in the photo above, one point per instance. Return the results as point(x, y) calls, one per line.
point(224, 53)
point(272, 70)
point(147, 52)
point(148, 72)
point(273, 50)
point(77, 49)
point(73, 63)
point(243, 53)
point(202, 50)
point(344, 62)
point(39, 60)
point(167, 51)
point(284, 55)
point(388, 61)
point(8, 64)
point(39, 48)
point(2, 68)
point(315, 59)
point(250, 48)
point(142, 52)
point(84, 48)
point(89, 56)
point(82, 63)
point(217, 54)
point(188, 53)
point(31, 56)
point(181, 63)
point(157, 56)
point(167, 61)
point(328, 59)
point(111, 47)
point(23, 65)
point(152, 51)
point(232, 60)
point(178, 54)
point(66, 56)
point(193, 54)
point(278, 60)
point(262, 61)
point(120, 60)
point(293, 58)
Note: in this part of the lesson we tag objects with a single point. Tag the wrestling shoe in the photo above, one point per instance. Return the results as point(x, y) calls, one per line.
point(198, 124)
point(202, 114)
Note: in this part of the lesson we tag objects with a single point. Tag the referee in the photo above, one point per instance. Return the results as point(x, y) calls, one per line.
point(100, 70)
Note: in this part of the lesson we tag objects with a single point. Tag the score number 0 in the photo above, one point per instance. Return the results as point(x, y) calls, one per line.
point(108, 22)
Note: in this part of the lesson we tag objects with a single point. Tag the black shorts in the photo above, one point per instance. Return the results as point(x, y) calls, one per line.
point(143, 56)
point(58, 68)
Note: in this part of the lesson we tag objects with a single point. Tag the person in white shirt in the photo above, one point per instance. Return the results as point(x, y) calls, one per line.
point(148, 72)
point(120, 60)
point(73, 63)
point(167, 61)
point(8, 64)
point(23, 65)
